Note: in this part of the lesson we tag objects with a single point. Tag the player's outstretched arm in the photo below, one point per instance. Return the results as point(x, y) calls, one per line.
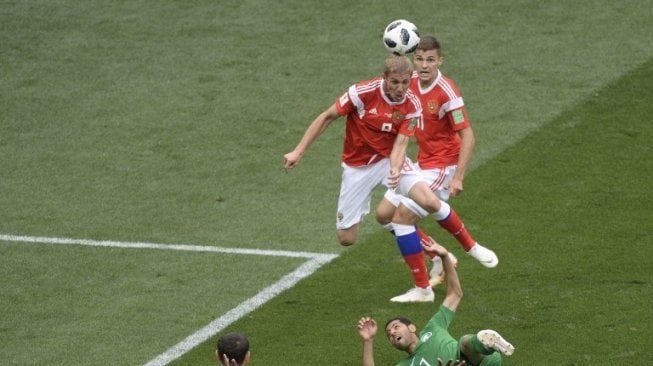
point(314, 130)
point(367, 329)
point(454, 290)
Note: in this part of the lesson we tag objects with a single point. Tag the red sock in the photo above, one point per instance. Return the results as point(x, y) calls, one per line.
point(455, 226)
point(424, 236)
point(418, 269)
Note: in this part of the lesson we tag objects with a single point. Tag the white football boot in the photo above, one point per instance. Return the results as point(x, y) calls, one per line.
point(493, 340)
point(416, 294)
point(484, 255)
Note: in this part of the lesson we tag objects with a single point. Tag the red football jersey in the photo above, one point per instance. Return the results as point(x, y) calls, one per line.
point(444, 115)
point(373, 121)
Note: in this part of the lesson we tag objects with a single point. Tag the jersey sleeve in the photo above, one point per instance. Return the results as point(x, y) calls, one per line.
point(343, 104)
point(441, 319)
point(454, 106)
point(458, 118)
point(408, 126)
point(413, 118)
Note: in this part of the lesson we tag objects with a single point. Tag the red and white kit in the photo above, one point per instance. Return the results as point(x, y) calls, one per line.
point(439, 143)
point(373, 123)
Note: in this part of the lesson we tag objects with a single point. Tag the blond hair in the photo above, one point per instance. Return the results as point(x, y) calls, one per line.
point(397, 64)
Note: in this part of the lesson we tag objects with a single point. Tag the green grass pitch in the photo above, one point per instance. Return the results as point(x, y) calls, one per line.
point(166, 122)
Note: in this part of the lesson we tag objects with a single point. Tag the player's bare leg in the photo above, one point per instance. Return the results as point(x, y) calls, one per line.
point(348, 236)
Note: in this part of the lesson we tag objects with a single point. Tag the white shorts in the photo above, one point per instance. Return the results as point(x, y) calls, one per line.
point(437, 180)
point(356, 189)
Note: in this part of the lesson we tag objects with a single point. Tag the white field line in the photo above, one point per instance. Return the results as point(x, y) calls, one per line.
point(315, 261)
point(141, 245)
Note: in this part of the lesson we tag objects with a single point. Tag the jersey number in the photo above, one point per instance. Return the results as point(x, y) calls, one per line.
point(386, 127)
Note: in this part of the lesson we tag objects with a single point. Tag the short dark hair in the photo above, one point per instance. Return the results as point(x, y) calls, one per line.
point(234, 345)
point(401, 319)
point(427, 43)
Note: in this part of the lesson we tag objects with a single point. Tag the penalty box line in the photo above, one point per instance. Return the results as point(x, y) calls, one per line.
point(314, 262)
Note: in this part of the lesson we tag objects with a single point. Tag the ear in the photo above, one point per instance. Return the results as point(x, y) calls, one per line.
point(247, 357)
point(412, 328)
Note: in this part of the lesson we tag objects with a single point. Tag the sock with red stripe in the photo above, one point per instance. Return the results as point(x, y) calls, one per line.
point(424, 236)
point(449, 220)
point(413, 253)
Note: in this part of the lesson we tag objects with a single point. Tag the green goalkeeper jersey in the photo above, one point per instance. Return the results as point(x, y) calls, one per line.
point(434, 342)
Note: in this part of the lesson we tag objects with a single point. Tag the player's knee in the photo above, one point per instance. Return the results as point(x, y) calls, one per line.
point(432, 204)
point(384, 211)
point(383, 218)
point(405, 216)
point(422, 195)
point(346, 237)
point(346, 242)
point(466, 345)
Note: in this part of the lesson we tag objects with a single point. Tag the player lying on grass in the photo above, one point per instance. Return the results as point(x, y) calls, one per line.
point(434, 343)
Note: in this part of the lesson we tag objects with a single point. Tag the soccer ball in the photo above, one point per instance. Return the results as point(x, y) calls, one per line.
point(401, 37)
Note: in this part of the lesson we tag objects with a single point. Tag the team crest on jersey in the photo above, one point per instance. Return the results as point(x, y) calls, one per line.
point(433, 107)
point(426, 336)
point(397, 116)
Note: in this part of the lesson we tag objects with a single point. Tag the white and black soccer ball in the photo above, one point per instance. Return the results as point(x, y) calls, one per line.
point(401, 37)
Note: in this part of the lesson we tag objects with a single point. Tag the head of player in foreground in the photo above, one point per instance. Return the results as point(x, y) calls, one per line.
point(396, 75)
point(233, 349)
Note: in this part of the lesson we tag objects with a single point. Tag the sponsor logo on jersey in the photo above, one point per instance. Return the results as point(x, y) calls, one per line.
point(458, 116)
point(373, 111)
point(433, 107)
point(426, 336)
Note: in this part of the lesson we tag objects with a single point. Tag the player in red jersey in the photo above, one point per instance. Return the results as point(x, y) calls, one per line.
point(445, 146)
point(381, 116)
